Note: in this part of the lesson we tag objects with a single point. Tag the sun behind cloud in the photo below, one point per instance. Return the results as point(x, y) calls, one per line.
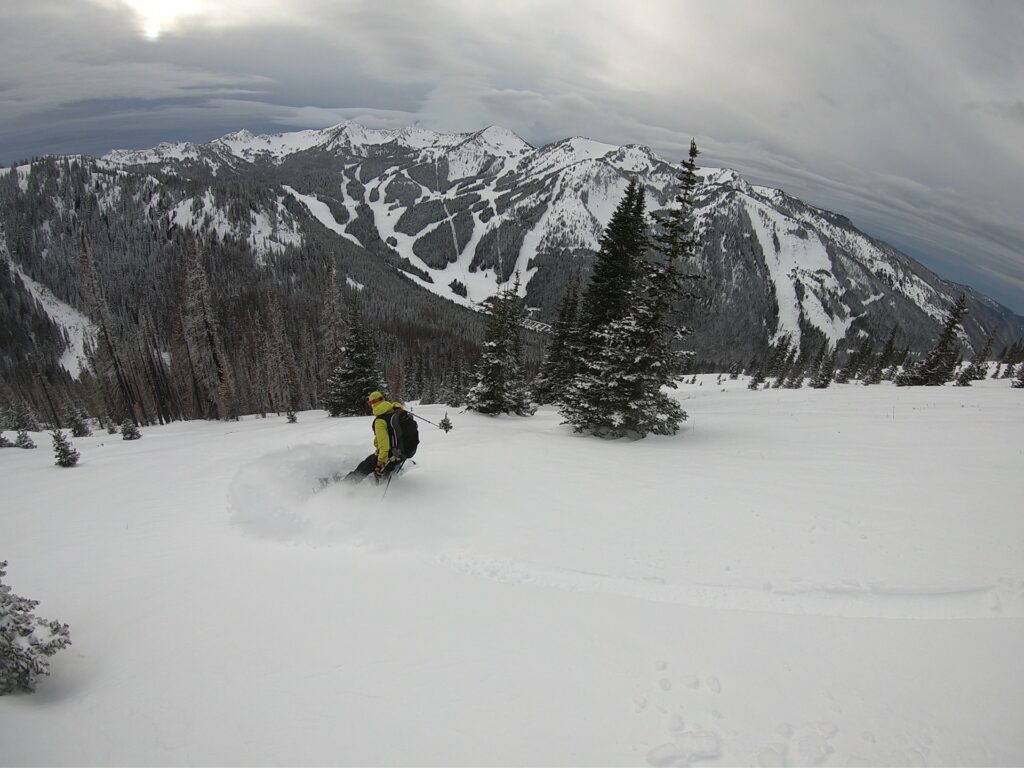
point(158, 17)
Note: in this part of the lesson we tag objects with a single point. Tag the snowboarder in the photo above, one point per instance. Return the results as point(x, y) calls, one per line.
point(395, 438)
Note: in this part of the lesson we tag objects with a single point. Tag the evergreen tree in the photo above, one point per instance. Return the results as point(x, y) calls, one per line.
point(816, 362)
point(786, 368)
point(615, 266)
point(1018, 383)
point(630, 352)
point(798, 371)
point(26, 641)
point(861, 359)
point(357, 374)
point(23, 440)
point(884, 360)
point(778, 355)
point(500, 375)
point(631, 355)
point(332, 327)
point(619, 392)
point(211, 379)
point(129, 430)
point(455, 394)
point(4, 442)
point(979, 365)
point(64, 453)
point(757, 378)
point(25, 418)
point(826, 370)
point(292, 418)
point(77, 421)
point(868, 358)
point(279, 363)
point(559, 365)
point(938, 365)
point(106, 353)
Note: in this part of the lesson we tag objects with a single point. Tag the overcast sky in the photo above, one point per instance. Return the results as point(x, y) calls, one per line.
point(908, 117)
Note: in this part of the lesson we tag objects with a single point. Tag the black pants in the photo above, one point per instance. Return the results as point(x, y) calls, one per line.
point(366, 467)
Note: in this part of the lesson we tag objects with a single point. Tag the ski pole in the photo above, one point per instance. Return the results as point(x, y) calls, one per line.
point(417, 416)
point(388, 485)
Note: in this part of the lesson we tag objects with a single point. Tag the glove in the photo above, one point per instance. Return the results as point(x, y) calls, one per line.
point(378, 471)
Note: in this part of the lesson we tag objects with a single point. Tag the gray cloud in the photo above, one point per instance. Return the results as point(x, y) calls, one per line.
point(905, 116)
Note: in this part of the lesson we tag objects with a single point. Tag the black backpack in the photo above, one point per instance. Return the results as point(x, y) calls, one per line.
point(403, 433)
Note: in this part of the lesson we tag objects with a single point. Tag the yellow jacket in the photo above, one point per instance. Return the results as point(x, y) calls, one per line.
point(381, 437)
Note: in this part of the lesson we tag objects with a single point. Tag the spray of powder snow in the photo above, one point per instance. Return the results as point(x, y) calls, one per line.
point(297, 495)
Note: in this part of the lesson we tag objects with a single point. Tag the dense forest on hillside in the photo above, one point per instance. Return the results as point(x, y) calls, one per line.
point(104, 247)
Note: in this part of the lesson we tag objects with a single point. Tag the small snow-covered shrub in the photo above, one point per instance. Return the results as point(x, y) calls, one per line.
point(64, 453)
point(26, 641)
point(23, 440)
point(129, 431)
point(4, 442)
point(292, 418)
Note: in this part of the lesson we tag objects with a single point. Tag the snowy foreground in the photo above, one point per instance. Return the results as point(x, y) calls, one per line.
point(799, 577)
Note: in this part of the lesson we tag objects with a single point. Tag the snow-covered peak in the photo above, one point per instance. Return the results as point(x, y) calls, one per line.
point(499, 141)
point(568, 152)
point(162, 152)
point(353, 135)
point(248, 146)
point(417, 137)
point(243, 135)
point(588, 149)
point(726, 177)
point(634, 158)
point(769, 193)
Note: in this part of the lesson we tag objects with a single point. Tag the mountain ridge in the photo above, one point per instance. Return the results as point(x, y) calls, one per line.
point(459, 213)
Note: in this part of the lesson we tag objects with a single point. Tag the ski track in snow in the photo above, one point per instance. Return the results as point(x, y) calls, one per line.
point(281, 497)
point(1004, 598)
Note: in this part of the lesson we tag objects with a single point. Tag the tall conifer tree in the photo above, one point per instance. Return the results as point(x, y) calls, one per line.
point(559, 365)
point(883, 361)
point(615, 266)
point(500, 374)
point(938, 365)
point(357, 374)
point(630, 354)
point(212, 381)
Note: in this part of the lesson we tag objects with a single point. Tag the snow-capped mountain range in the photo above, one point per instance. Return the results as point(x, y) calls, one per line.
point(476, 207)
point(460, 213)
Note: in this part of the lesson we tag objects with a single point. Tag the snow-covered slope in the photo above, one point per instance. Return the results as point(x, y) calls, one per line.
point(266, 231)
point(798, 578)
point(77, 327)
